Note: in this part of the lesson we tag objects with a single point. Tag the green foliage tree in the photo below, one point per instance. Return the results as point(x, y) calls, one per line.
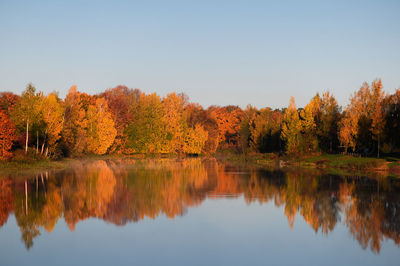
point(291, 129)
point(146, 132)
point(392, 118)
point(309, 115)
point(27, 112)
point(327, 126)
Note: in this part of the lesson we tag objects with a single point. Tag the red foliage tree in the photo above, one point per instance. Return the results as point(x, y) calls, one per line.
point(8, 100)
point(7, 135)
point(120, 101)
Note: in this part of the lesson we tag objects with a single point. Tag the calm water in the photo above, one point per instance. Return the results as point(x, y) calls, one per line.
point(196, 212)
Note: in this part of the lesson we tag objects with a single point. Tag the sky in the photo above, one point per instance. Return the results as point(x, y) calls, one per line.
point(217, 52)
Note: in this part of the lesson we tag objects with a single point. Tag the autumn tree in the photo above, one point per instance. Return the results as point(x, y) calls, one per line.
point(291, 128)
point(196, 115)
point(120, 100)
point(245, 137)
point(264, 128)
point(7, 135)
point(348, 130)
point(194, 140)
point(7, 101)
point(146, 131)
point(327, 125)
point(53, 117)
point(86, 100)
point(228, 119)
point(376, 111)
point(392, 118)
point(26, 113)
point(75, 123)
point(363, 121)
point(100, 130)
point(309, 117)
point(174, 122)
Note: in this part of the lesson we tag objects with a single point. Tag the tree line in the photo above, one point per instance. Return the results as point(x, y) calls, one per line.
point(124, 120)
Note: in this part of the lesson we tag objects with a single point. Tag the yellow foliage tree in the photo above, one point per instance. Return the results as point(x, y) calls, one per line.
point(194, 140)
point(101, 131)
point(174, 122)
point(75, 123)
point(308, 123)
point(291, 128)
point(53, 116)
point(376, 110)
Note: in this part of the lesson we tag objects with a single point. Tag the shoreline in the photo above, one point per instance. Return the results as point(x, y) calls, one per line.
point(331, 163)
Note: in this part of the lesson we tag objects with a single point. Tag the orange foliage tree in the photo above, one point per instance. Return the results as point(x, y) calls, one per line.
point(228, 119)
point(363, 121)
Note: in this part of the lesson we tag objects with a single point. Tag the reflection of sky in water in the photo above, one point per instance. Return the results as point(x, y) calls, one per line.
point(218, 231)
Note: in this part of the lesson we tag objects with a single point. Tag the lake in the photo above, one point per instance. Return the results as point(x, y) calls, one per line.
point(196, 212)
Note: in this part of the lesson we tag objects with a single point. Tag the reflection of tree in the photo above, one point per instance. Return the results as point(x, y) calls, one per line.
point(28, 208)
point(53, 208)
point(125, 190)
point(371, 216)
point(6, 199)
point(87, 191)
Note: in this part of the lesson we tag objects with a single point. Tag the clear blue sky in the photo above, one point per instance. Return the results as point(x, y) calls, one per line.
point(217, 52)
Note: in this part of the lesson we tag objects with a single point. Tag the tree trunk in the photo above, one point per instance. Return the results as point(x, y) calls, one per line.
point(27, 136)
point(44, 141)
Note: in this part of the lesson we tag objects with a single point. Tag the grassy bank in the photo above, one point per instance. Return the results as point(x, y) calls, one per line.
point(334, 163)
point(35, 162)
point(345, 162)
point(19, 166)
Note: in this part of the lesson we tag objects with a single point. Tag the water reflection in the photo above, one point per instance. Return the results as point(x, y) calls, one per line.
point(122, 191)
